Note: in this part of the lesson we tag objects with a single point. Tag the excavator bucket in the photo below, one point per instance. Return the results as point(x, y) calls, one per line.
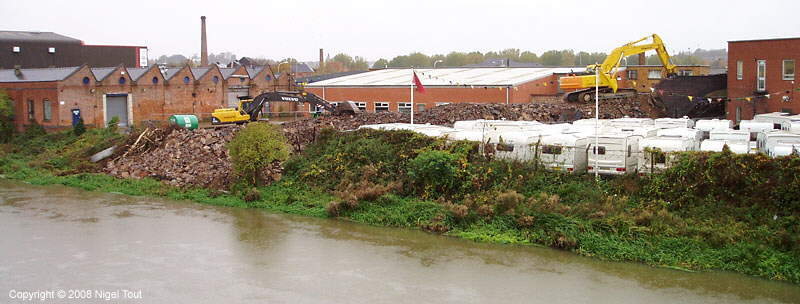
point(346, 108)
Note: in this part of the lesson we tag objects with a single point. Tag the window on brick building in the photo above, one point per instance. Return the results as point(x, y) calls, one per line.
point(186, 80)
point(761, 75)
point(381, 107)
point(739, 70)
point(404, 107)
point(685, 72)
point(420, 107)
point(122, 80)
point(48, 110)
point(788, 70)
point(633, 74)
point(215, 79)
point(738, 114)
point(155, 80)
point(30, 110)
point(654, 74)
point(361, 106)
point(86, 80)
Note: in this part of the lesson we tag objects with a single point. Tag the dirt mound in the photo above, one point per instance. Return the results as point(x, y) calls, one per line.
point(302, 132)
point(180, 158)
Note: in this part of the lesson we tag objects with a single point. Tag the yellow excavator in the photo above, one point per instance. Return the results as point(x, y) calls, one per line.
point(584, 85)
point(249, 108)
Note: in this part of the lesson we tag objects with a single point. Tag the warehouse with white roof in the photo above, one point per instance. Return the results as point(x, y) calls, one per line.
point(390, 89)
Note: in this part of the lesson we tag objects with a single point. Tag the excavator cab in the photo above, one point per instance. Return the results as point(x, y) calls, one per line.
point(237, 115)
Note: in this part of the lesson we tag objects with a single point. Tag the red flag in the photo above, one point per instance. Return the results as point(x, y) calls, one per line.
point(418, 83)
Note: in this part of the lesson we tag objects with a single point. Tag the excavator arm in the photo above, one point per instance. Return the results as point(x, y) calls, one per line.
point(254, 108)
point(607, 71)
point(610, 66)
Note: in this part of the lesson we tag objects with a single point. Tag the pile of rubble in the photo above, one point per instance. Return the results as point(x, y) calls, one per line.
point(177, 156)
point(302, 132)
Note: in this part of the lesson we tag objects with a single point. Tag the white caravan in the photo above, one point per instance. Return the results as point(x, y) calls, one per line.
point(778, 143)
point(755, 127)
point(737, 147)
point(657, 153)
point(706, 125)
point(692, 135)
point(779, 120)
point(565, 151)
point(664, 123)
point(627, 122)
point(616, 153)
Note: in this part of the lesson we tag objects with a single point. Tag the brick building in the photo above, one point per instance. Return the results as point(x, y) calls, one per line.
point(388, 89)
point(134, 95)
point(47, 49)
point(761, 77)
point(644, 77)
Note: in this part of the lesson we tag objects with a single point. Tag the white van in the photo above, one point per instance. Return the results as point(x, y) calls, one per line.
point(664, 123)
point(616, 153)
point(706, 125)
point(777, 143)
point(656, 153)
point(565, 151)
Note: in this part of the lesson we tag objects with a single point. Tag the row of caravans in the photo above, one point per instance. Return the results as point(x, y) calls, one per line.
point(622, 145)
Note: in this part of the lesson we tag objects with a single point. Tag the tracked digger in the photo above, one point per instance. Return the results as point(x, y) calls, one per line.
point(250, 108)
point(582, 87)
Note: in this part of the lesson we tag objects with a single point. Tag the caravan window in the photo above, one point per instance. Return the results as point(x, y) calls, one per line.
point(629, 151)
point(505, 147)
point(550, 149)
point(599, 150)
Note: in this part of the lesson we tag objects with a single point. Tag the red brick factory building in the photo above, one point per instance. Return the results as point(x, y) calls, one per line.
point(389, 89)
point(47, 50)
point(135, 95)
point(762, 77)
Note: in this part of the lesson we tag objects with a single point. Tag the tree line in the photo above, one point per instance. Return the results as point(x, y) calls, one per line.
point(342, 62)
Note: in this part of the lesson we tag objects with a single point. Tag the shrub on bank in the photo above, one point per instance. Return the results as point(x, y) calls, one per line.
point(255, 147)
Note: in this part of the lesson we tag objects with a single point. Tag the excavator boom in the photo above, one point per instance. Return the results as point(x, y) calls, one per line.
point(607, 71)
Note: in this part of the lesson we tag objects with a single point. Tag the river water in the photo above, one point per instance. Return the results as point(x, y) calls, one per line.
point(160, 251)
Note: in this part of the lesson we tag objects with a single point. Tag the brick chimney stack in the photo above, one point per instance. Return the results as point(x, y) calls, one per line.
point(203, 42)
point(321, 60)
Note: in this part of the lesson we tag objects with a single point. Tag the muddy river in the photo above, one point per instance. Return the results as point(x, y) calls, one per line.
point(95, 247)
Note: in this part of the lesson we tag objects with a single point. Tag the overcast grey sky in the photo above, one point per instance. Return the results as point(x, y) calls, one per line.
point(382, 29)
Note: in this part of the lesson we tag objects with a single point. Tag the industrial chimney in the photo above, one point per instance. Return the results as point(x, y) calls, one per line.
point(321, 61)
point(203, 42)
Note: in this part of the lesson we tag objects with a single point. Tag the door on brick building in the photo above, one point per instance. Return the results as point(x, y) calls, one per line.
point(117, 105)
point(233, 96)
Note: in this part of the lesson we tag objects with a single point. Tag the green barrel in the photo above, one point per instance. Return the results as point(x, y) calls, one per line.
point(184, 121)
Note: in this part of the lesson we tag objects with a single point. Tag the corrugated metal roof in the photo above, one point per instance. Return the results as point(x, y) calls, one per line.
point(301, 67)
point(447, 77)
point(36, 37)
point(37, 75)
point(102, 73)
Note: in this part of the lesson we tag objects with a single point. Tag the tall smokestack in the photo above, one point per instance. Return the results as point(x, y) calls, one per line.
point(203, 42)
point(321, 60)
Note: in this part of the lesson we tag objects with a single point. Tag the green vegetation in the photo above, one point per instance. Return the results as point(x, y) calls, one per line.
point(6, 117)
point(710, 211)
point(255, 147)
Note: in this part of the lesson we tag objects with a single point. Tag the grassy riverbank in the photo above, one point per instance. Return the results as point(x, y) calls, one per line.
point(711, 211)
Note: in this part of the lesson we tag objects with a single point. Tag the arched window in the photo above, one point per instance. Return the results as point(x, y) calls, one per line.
point(155, 80)
point(268, 77)
point(86, 80)
point(122, 80)
point(215, 79)
point(186, 80)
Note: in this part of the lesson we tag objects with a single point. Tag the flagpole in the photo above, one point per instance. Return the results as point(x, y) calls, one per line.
point(412, 95)
point(596, 121)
